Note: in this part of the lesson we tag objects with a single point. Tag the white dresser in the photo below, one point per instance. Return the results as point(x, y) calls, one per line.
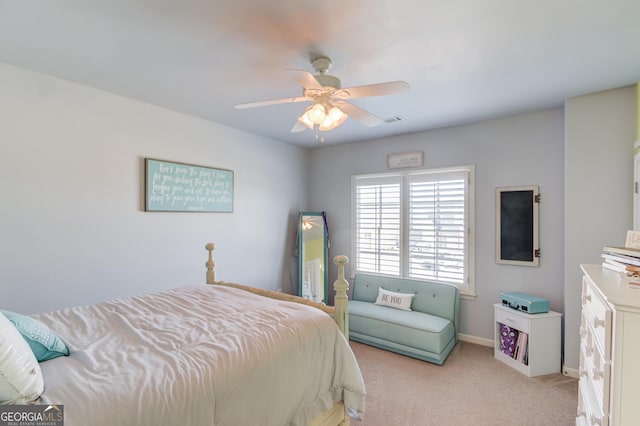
point(609, 388)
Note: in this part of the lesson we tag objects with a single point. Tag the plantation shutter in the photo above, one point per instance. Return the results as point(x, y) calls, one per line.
point(378, 225)
point(437, 232)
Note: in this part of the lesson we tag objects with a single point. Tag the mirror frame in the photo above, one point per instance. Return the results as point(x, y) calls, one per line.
point(325, 250)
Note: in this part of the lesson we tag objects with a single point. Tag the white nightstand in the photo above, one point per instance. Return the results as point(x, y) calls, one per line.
point(543, 340)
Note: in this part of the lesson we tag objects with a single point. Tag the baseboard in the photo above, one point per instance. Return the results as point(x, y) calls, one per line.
point(570, 372)
point(567, 371)
point(476, 340)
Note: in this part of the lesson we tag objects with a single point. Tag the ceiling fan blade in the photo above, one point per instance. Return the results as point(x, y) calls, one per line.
point(272, 102)
point(357, 113)
point(305, 78)
point(380, 89)
point(298, 127)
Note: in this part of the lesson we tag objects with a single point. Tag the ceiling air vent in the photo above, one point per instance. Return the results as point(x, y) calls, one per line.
point(393, 119)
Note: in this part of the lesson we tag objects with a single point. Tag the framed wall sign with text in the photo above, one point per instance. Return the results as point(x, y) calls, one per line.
point(405, 159)
point(180, 187)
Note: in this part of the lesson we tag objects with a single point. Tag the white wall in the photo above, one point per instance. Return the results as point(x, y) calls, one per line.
point(73, 229)
point(512, 151)
point(599, 190)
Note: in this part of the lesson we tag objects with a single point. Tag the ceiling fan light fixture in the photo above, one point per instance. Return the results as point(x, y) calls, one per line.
point(305, 118)
point(336, 114)
point(335, 118)
point(317, 114)
point(323, 117)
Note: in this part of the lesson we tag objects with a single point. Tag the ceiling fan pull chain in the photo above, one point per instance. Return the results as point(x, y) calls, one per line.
point(319, 133)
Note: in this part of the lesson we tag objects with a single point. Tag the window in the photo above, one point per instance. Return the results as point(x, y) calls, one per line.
point(416, 224)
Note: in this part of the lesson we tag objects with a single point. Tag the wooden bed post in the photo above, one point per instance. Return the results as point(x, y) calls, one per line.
point(341, 303)
point(340, 312)
point(337, 415)
point(211, 265)
point(341, 315)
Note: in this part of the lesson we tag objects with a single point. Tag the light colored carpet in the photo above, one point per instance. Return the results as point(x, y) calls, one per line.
point(470, 388)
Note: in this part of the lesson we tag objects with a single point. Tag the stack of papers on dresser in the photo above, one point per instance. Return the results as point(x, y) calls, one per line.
point(625, 260)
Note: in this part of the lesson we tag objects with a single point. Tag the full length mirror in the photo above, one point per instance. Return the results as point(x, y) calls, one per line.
point(313, 251)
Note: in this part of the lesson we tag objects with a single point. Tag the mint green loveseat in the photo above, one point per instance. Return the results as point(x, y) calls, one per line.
point(427, 332)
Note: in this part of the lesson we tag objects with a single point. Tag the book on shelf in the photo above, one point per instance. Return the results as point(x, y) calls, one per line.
point(621, 258)
point(627, 267)
point(621, 267)
point(508, 340)
point(625, 251)
point(611, 267)
point(514, 343)
point(522, 347)
point(625, 260)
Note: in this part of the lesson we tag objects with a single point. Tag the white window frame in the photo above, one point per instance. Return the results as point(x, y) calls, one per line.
point(467, 287)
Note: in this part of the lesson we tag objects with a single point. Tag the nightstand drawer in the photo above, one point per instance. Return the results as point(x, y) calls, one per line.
point(511, 318)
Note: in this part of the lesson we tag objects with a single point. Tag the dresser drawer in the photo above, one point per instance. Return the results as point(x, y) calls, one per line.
point(597, 315)
point(610, 350)
point(512, 319)
point(589, 413)
point(595, 374)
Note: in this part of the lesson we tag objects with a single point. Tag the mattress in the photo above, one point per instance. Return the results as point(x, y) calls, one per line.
point(199, 355)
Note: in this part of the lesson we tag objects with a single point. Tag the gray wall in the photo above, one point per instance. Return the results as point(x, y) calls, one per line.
point(600, 133)
point(580, 156)
point(73, 229)
point(513, 151)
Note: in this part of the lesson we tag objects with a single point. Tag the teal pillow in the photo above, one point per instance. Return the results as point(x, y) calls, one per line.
point(44, 343)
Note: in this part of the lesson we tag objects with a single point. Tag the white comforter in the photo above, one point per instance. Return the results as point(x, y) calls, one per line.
point(199, 355)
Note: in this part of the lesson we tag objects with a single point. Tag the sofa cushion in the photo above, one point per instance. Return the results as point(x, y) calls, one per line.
point(411, 328)
point(435, 298)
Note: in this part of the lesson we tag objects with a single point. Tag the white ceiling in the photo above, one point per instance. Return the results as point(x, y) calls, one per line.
point(466, 60)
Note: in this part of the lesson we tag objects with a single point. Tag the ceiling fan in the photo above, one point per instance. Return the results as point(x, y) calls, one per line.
point(330, 107)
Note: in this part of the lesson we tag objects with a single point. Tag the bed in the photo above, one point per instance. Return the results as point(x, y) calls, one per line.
point(217, 354)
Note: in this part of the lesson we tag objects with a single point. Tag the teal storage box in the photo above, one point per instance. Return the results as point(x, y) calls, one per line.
point(525, 302)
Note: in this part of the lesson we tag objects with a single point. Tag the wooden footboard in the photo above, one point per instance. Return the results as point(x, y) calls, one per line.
point(337, 414)
point(339, 311)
